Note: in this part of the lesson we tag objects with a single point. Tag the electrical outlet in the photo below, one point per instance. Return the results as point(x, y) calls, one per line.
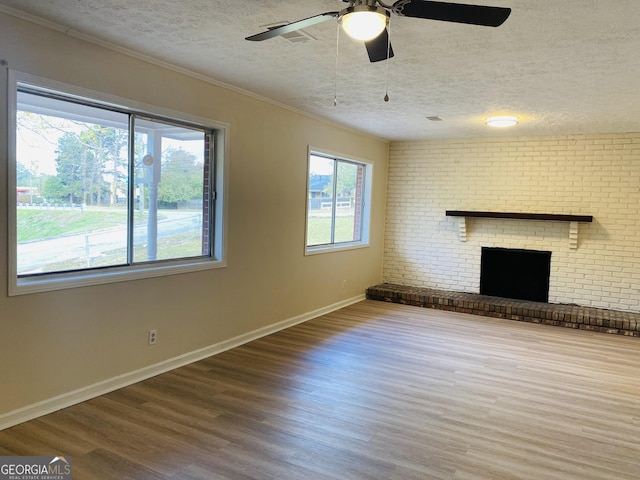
point(153, 337)
point(344, 284)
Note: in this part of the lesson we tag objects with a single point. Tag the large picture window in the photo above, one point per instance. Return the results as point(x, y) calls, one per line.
point(337, 203)
point(102, 192)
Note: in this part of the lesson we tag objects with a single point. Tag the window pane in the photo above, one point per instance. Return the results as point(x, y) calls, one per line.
point(320, 208)
point(99, 186)
point(171, 218)
point(347, 229)
point(71, 179)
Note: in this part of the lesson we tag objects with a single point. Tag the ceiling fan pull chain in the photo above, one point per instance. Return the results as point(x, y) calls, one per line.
point(386, 87)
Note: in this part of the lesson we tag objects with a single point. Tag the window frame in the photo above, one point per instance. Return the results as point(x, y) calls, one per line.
point(104, 275)
point(365, 213)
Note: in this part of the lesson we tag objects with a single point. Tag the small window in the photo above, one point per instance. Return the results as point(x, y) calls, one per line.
point(337, 203)
point(106, 193)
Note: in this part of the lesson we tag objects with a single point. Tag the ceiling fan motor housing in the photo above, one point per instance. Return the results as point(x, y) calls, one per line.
point(364, 8)
point(364, 22)
point(368, 3)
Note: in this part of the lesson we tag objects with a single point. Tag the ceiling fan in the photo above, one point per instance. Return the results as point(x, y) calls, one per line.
point(368, 20)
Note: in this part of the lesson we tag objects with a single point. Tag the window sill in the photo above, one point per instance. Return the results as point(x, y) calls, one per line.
point(334, 248)
point(63, 281)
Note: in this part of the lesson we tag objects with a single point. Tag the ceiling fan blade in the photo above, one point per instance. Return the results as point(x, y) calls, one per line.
point(452, 12)
point(377, 48)
point(291, 27)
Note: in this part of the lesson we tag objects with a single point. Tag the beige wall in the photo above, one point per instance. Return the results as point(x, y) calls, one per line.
point(53, 343)
point(595, 175)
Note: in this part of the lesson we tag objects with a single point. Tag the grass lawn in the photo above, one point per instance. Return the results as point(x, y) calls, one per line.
point(41, 224)
point(319, 230)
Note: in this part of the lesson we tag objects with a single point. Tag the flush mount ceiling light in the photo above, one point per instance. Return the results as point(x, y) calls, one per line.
point(364, 22)
point(502, 121)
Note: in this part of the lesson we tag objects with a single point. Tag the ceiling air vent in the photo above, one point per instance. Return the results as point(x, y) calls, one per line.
point(297, 36)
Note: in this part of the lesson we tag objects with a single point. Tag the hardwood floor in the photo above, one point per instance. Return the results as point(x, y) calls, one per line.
point(373, 391)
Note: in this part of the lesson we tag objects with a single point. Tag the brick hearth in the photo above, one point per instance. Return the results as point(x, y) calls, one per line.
point(561, 315)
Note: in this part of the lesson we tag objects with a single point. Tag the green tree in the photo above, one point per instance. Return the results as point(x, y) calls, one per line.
point(70, 166)
point(107, 158)
point(84, 158)
point(53, 189)
point(346, 179)
point(24, 176)
point(181, 178)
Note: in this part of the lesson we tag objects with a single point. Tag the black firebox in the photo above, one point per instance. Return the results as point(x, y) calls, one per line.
point(515, 273)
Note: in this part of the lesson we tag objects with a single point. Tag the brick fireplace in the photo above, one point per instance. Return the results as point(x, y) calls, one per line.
point(594, 264)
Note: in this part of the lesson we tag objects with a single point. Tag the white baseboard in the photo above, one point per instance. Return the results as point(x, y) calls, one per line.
point(59, 402)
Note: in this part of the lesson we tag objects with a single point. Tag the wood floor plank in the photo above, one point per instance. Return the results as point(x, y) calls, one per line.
point(372, 391)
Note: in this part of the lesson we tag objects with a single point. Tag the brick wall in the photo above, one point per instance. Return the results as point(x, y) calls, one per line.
point(595, 175)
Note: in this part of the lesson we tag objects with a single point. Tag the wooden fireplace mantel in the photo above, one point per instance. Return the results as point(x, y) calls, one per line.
point(550, 217)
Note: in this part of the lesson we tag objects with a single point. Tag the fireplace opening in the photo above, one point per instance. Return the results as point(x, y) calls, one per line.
point(515, 273)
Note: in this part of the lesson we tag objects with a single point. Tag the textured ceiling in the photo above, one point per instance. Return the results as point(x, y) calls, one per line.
point(565, 67)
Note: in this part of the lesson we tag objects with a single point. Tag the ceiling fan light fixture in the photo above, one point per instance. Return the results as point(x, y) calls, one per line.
point(363, 22)
point(502, 121)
